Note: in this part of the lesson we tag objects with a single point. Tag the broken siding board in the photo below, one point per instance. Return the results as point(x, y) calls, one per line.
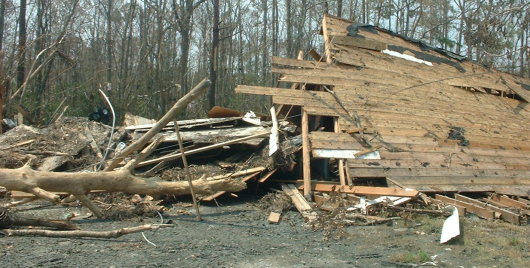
point(505, 214)
point(365, 190)
point(481, 212)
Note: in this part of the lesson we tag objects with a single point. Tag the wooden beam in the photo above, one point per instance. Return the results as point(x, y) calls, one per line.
point(342, 176)
point(365, 190)
point(481, 212)
point(508, 201)
point(505, 214)
point(306, 157)
point(299, 201)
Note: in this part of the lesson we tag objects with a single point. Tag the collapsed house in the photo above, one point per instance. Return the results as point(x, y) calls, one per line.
point(379, 119)
point(384, 107)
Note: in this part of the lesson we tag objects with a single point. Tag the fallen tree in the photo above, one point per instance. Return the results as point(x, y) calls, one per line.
point(79, 184)
point(41, 184)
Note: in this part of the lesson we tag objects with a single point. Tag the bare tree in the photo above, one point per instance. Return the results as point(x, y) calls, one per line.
point(2, 17)
point(214, 54)
point(22, 35)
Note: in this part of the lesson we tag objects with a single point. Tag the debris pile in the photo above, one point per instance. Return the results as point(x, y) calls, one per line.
point(359, 136)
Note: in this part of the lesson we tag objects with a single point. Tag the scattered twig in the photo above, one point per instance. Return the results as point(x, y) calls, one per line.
point(81, 233)
point(186, 169)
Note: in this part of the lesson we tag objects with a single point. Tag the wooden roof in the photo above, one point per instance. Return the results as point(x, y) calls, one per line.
point(412, 111)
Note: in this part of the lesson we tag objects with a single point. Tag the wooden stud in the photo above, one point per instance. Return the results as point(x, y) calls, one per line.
point(306, 158)
point(342, 176)
point(505, 214)
point(481, 212)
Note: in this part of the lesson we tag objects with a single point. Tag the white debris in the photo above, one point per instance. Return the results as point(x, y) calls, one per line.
point(451, 227)
point(274, 137)
point(251, 118)
point(406, 57)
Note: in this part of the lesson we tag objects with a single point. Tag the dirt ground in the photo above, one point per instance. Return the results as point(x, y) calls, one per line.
point(236, 234)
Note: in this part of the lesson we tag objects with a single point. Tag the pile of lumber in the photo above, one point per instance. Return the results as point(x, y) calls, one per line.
point(202, 157)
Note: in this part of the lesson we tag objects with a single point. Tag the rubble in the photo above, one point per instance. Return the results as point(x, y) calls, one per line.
point(343, 147)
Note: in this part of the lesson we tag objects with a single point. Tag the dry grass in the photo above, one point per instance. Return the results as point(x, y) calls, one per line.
point(416, 257)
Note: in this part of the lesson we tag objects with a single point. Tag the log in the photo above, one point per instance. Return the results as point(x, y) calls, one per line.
point(41, 183)
point(9, 219)
point(197, 91)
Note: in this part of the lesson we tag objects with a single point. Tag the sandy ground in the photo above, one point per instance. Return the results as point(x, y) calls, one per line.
point(236, 234)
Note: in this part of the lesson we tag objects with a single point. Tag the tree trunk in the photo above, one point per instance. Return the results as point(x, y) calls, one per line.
point(339, 8)
point(41, 183)
point(289, 20)
point(214, 55)
point(109, 41)
point(21, 67)
point(2, 14)
point(265, 46)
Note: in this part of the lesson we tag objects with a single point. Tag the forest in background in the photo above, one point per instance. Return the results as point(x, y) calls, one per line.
point(145, 54)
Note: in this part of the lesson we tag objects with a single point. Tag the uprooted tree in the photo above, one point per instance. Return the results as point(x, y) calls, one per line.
point(42, 184)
